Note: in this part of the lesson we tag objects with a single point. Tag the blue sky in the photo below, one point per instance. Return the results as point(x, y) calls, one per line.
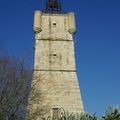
point(97, 44)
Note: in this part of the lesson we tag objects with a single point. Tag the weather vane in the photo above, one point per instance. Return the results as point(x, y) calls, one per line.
point(53, 6)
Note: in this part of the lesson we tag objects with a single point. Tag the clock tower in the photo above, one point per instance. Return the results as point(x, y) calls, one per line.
point(54, 85)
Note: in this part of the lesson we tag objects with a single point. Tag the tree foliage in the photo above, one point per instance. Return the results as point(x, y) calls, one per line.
point(112, 113)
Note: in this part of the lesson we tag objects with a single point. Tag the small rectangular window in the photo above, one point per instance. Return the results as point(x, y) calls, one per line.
point(54, 24)
point(54, 55)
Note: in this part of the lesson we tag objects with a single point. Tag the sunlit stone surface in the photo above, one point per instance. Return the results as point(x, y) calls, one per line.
point(54, 78)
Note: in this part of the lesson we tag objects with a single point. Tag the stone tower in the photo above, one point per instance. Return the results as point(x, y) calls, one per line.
point(55, 83)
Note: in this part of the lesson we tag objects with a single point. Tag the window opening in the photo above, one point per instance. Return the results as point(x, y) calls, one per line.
point(55, 113)
point(54, 24)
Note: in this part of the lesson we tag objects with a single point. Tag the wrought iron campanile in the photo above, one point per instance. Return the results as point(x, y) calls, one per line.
point(53, 6)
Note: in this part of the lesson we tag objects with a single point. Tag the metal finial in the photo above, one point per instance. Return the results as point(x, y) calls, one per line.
point(53, 6)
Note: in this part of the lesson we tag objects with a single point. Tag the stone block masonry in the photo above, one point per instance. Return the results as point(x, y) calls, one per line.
point(55, 83)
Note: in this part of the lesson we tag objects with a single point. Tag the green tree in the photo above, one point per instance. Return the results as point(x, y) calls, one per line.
point(112, 113)
point(88, 116)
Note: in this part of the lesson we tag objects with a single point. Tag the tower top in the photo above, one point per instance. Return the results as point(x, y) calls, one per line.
point(53, 6)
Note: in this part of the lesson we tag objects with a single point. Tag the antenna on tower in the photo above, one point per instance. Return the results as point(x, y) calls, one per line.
point(53, 6)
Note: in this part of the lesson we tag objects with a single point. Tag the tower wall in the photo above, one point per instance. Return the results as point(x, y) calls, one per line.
point(54, 66)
